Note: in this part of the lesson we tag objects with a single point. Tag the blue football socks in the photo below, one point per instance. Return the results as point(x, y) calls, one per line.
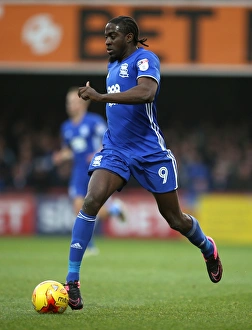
point(198, 238)
point(81, 234)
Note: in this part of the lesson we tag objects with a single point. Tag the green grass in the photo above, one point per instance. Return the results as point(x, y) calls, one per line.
point(131, 284)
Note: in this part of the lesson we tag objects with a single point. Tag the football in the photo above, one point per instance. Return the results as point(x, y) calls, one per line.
point(50, 297)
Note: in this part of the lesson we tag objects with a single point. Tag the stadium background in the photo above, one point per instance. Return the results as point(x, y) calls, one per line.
point(204, 110)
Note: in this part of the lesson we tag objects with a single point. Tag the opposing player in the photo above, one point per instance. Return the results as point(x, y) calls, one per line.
point(132, 145)
point(82, 136)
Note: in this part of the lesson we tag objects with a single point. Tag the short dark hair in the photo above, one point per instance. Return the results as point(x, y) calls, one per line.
point(129, 25)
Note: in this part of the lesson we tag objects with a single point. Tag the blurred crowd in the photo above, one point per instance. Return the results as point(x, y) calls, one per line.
point(26, 160)
point(209, 158)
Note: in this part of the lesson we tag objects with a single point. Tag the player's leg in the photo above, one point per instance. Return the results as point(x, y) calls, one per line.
point(91, 247)
point(188, 226)
point(103, 183)
point(110, 208)
point(101, 186)
point(160, 177)
point(82, 232)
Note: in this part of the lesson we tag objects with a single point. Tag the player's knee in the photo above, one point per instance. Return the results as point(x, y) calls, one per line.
point(91, 205)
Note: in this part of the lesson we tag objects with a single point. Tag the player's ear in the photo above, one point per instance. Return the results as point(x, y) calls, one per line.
point(129, 37)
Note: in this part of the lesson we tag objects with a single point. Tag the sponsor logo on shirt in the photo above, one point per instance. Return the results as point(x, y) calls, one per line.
point(113, 89)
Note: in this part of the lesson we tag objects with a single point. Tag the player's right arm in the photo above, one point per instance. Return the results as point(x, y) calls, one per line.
point(143, 92)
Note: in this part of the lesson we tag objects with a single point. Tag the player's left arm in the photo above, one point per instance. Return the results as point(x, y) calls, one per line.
point(143, 92)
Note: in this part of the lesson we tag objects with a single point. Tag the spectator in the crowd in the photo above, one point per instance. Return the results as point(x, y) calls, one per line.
point(7, 160)
point(43, 167)
point(22, 170)
point(241, 178)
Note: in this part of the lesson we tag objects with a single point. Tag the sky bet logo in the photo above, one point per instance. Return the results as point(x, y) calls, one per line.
point(113, 89)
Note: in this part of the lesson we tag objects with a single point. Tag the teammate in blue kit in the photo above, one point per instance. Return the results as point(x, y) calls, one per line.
point(132, 145)
point(82, 136)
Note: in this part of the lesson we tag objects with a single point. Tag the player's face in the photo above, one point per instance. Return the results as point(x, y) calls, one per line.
point(74, 104)
point(116, 43)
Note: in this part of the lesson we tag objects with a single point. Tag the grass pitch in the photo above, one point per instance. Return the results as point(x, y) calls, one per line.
point(131, 284)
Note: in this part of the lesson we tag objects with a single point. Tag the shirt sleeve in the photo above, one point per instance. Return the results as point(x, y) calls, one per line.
point(148, 65)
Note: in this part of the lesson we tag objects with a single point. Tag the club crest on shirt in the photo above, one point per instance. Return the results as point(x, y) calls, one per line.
point(143, 64)
point(124, 70)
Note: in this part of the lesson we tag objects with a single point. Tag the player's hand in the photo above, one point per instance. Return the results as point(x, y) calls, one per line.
point(56, 158)
point(89, 93)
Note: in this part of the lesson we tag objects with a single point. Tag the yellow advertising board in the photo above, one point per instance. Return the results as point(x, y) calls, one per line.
point(72, 35)
point(227, 217)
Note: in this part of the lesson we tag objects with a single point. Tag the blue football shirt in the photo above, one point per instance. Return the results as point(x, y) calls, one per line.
point(84, 138)
point(133, 128)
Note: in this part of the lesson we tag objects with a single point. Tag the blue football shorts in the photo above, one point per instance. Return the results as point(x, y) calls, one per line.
point(156, 173)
